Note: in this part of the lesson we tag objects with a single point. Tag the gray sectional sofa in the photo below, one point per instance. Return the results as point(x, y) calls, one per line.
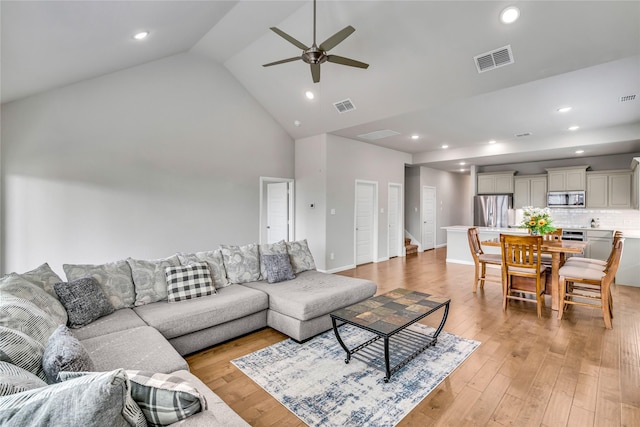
point(155, 335)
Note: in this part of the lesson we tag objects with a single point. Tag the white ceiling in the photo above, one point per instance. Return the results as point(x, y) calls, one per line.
point(422, 78)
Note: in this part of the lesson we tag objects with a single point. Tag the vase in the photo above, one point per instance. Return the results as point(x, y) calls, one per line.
point(535, 232)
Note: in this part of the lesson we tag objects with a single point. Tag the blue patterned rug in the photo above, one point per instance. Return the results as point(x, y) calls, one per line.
point(314, 383)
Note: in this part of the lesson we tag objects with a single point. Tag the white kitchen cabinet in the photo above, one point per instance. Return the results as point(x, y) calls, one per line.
point(495, 182)
point(609, 189)
point(530, 190)
point(567, 179)
point(600, 244)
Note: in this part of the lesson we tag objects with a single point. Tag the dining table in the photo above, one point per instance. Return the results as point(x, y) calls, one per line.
point(558, 249)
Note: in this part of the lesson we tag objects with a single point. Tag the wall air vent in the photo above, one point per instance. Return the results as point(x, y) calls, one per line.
point(378, 134)
point(627, 98)
point(522, 135)
point(344, 106)
point(494, 59)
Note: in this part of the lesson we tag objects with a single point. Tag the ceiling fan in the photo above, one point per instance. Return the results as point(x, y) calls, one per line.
point(316, 55)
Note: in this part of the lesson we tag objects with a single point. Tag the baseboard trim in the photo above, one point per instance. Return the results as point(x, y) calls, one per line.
point(459, 261)
point(383, 259)
point(339, 269)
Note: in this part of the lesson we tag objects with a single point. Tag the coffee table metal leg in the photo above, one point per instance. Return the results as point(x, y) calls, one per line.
point(335, 331)
point(444, 319)
point(386, 360)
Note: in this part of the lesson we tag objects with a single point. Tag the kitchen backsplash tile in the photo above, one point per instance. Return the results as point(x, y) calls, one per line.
point(609, 218)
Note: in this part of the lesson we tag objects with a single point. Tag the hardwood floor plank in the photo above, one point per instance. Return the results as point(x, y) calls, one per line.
point(527, 371)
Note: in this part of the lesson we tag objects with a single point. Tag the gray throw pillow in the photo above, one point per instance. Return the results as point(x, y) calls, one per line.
point(241, 263)
point(114, 278)
point(149, 278)
point(84, 300)
point(64, 352)
point(189, 281)
point(278, 268)
point(300, 256)
point(14, 379)
point(21, 350)
point(213, 260)
point(26, 317)
point(18, 286)
point(98, 400)
point(270, 249)
point(44, 277)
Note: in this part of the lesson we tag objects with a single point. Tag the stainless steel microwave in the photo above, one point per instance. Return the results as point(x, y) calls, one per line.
point(565, 199)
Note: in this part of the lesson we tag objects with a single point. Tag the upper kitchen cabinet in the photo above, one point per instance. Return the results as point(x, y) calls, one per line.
point(495, 182)
point(567, 179)
point(530, 190)
point(609, 189)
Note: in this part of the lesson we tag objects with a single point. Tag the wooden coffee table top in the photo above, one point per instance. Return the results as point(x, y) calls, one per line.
point(390, 312)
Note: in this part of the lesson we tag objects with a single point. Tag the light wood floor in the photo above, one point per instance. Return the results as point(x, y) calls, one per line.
point(527, 372)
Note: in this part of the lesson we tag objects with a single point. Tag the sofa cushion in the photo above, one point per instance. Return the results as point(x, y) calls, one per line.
point(14, 379)
point(312, 293)
point(188, 281)
point(24, 316)
point(18, 286)
point(64, 352)
point(96, 400)
point(230, 303)
point(149, 278)
point(84, 300)
point(43, 277)
point(119, 320)
point(270, 249)
point(242, 263)
point(20, 349)
point(300, 256)
point(213, 260)
point(142, 348)
point(277, 268)
point(114, 278)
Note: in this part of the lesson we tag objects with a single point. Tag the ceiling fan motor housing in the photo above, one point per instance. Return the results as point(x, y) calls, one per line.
point(314, 56)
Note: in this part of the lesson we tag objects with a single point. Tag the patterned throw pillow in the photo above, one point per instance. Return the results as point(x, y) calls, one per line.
point(270, 249)
point(64, 352)
point(278, 268)
point(14, 379)
point(149, 278)
point(241, 263)
point(18, 286)
point(43, 277)
point(114, 278)
point(84, 300)
point(21, 350)
point(213, 260)
point(26, 317)
point(189, 281)
point(300, 256)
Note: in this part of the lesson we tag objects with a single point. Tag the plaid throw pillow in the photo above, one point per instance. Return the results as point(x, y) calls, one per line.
point(164, 399)
point(188, 281)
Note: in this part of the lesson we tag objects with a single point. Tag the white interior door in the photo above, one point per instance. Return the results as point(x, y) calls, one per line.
point(277, 212)
point(365, 222)
point(428, 218)
point(394, 215)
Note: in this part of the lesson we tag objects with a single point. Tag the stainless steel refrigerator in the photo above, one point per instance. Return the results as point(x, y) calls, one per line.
point(492, 211)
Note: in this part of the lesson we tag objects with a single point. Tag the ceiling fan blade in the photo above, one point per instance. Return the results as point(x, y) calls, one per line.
point(288, 38)
point(346, 61)
point(315, 72)
point(282, 61)
point(337, 38)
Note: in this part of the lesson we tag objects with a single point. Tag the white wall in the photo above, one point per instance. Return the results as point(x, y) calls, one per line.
point(145, 162)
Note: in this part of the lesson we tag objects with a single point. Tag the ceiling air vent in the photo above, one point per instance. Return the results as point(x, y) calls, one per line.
point(344, 106)
point(494, 59)
point(627, 98)
point(378, 134)
point(522, 135)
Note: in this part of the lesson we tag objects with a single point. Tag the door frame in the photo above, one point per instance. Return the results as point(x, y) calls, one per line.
point(435, 216)
point(374, 238)
point(400, 219)
point(264, 180)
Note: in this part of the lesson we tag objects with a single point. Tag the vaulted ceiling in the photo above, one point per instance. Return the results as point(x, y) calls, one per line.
point(422, 78)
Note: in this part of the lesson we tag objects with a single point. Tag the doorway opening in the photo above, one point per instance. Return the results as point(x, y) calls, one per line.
point(276, 209)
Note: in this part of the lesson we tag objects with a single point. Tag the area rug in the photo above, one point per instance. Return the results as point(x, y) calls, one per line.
point(314, 383)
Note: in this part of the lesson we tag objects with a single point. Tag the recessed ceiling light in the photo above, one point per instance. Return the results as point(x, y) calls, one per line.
point(563, 109)
point(461, 169)
point(415, 136)
point(309, 94)
point(297, 123)
point(509, 15)
point(141, 35)
point(574, 127)
point(462, 163)
point(493, 141)
point(445, 146)
point(579, 151)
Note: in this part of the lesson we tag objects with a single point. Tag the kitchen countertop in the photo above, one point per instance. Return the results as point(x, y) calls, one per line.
point(631, 233)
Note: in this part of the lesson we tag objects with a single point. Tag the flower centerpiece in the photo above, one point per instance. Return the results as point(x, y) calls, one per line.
point(537, 220)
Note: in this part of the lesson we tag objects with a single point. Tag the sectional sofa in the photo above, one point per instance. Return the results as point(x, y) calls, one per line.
point(147, 320)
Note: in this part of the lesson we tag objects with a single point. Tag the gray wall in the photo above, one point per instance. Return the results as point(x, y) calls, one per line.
point(144, 162)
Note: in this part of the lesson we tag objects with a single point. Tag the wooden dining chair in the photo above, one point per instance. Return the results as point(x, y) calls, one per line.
point(590, 287)
point(480, 259)
point(553, 236)
point(594, 262)
point(522, 272)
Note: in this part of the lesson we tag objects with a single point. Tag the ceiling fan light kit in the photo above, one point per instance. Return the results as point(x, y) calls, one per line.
point(316, 55)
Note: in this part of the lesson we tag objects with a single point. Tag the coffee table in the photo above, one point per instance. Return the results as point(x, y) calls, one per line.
point(389, 316)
